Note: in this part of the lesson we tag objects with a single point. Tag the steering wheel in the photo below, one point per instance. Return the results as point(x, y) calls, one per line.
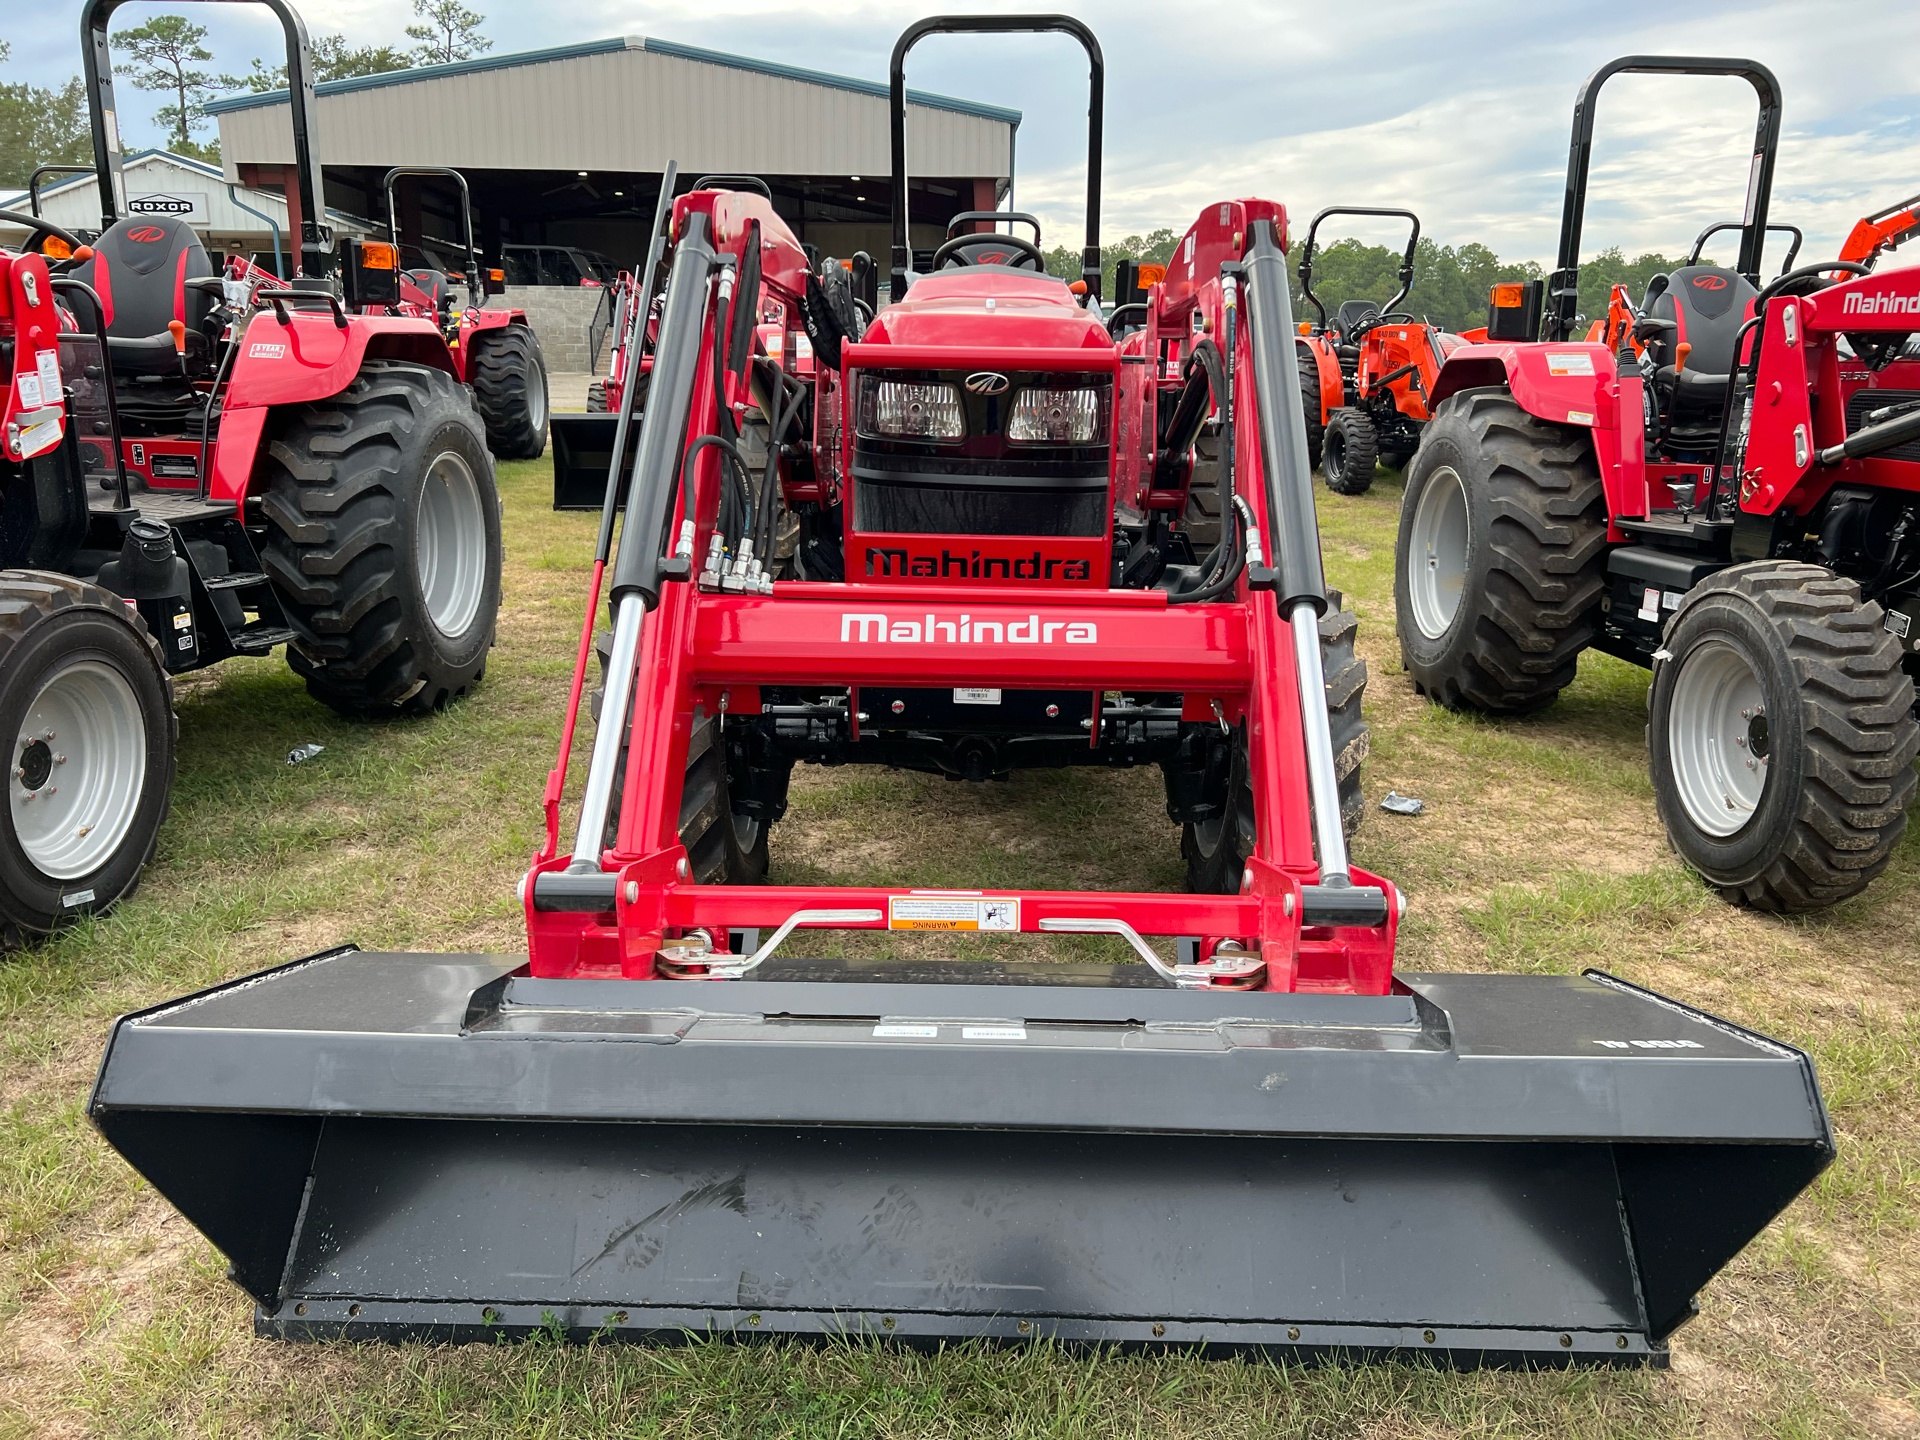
point(40, 229)
point(1796, 282)
point(954, 252)
point(1398, 317)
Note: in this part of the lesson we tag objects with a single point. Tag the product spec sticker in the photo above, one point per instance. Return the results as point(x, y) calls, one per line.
point(1576, 362)
point(895, 1031)
point(993, 1032)
point(951, 912)
point(976, 697)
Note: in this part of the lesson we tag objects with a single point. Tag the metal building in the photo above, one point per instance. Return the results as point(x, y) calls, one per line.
point(566, 146)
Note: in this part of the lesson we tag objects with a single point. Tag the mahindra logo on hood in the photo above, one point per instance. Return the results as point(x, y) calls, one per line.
point(1709, 282)
point(1858, 304)
point(987, 382)
point(874, 627)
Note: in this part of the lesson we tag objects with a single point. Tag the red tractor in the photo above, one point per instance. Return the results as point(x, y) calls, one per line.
point(201, 466)
point(675, 1114)
point(1726, 490)
point(1366, 372)
point(494, 349)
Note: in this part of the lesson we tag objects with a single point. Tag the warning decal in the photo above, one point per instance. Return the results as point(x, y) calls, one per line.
point(1576, 362)
point(952, 912)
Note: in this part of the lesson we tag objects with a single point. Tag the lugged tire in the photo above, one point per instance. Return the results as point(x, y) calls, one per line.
point(49, 625)
point(509, 379)
point(1310, 402)
point(1535, 556)
point(1840, 735)
point(597, 398)
point(722, 847)
point(1349, 452)
point(1216, 853)
point(344, 484)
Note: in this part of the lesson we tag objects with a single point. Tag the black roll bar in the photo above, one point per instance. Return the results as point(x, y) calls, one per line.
point(314, 253)
point(1700, 243)
point(1563, 286)
point(1406, 261)
point(441, 172)
point(40, 171)
point(997, 25)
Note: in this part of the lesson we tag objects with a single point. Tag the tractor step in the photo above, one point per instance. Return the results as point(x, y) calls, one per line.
point(235, 582)
point(1490, 1168)
point(259, 639)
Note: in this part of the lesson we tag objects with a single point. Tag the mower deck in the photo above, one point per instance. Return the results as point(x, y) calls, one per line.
point(1489, 1168)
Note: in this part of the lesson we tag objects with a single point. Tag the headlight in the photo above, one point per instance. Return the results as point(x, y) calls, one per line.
point(910, 410)
point(1057, 417)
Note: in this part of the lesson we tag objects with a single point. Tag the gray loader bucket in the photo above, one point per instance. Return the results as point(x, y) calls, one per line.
point(1487, 1169)
point(582, 454)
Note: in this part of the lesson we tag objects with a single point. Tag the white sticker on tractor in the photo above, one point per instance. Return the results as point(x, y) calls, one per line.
point(78, 897)
point(1650, 604)
point(266, 350)
point(907, 1032)
point(993, 1032)
point(1651, 1044)
point(48, 362)
point(921, 912)
point(1572, 362)
point(976, 697)
point(29, 391)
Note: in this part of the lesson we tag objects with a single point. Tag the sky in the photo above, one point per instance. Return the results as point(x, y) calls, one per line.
point(1457, 109)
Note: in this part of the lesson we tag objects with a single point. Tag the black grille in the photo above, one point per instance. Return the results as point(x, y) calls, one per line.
point(1863, 402)
point(918, 508)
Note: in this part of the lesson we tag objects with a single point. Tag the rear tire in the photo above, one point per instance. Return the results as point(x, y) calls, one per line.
point(1500, 561)
point(1349, 452)
point(723, 848)
point(1216, 851)
point(1781, 736)
point(509, 379)
point(597, 398)
point(383, 542)
point(87, 709)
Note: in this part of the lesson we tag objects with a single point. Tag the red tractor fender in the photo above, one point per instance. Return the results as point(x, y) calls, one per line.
point(308, 357)
point(1333, 390)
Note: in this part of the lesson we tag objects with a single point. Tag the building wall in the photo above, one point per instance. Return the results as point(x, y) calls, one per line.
point(559, 316)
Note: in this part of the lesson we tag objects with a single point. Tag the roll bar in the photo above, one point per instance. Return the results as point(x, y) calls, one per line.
point(996, 218)
point(442, 172)
point(314, 257)
point(40, 171)
point(1563, 287)
point(1406, 261)
point(1693, 256)
point(996, 25)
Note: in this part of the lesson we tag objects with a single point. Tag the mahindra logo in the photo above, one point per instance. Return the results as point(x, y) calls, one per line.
point(986, 382)
point(874, 627)
point(147, 234)
point(1709, 282)
point(1858, 304)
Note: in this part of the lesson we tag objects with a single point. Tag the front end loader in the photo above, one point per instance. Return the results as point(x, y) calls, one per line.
point(679, 1112)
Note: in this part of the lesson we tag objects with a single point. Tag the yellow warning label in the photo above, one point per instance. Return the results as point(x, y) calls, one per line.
point(952, 912)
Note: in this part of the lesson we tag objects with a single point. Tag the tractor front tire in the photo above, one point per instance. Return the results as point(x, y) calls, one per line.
point(87, 709)
point(1216, 851)
point(1499, 565)
point(509, 379)
point(383, 541)
point(597, 398)
point(724, 848)
point(1781, 736)
point(1349, 452)
point(1310, 403)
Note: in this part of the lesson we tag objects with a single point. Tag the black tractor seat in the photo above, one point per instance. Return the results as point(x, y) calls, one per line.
point(1352, 314)
point(1702, 306)
point(435, 285)
point(140, 269)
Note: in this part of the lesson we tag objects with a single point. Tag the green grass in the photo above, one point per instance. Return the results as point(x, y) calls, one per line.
point(1539, 852)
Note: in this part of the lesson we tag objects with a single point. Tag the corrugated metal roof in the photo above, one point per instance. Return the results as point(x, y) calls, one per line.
point(229, 103)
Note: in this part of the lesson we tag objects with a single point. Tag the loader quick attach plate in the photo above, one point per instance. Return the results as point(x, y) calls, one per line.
point(1486, 1168)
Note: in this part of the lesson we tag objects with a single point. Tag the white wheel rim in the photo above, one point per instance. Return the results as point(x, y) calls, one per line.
point(450, 544)
point(1437, 553)
point(536, 395)
point(79, 765)
point(1718, 738)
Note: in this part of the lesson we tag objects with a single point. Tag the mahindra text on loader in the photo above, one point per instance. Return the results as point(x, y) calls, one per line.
point(200, 466)
point(674, 1115)
point(1726, 488)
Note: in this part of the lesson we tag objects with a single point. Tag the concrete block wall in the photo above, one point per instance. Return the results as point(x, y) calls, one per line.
point(560, 316)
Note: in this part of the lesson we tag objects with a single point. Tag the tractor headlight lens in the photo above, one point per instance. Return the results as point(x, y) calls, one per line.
point(1057, 417)
point(910, 410)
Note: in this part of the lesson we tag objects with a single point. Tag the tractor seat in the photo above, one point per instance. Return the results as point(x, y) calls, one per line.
point(1353, 313)
point(1706, 305)
point(435, 285)
point(140, 269)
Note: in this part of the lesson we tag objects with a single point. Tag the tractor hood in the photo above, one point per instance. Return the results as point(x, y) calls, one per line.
point(975, 305)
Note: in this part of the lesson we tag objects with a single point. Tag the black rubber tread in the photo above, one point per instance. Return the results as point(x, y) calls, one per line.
point(503, 366)
point(1349, 452)
point(1214, 864)
point(597, 398)
point(1396, 459)
point(1200, 520)
point(1536, 561)
point(341, 488)
point(31, 904)
point(1841, 767)
point(1310, 402)
point(712, 834)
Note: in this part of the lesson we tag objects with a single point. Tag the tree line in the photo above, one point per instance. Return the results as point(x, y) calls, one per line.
point(168, 56)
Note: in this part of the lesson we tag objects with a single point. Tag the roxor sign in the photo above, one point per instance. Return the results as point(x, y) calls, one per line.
point(180, 204)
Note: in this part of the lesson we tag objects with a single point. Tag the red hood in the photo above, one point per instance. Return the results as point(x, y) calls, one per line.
point(973, 307)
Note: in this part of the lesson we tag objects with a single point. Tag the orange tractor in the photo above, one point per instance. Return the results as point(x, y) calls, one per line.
point(1366, 372)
